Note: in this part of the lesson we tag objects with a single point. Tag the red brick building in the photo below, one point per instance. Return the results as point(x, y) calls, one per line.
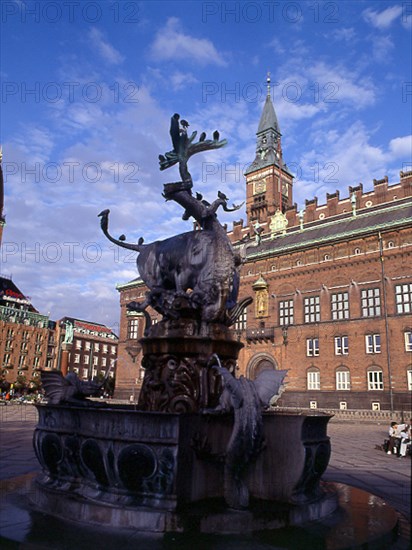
point(332, 289)
point(93, 350)
point(129, 356)
point(26, 336)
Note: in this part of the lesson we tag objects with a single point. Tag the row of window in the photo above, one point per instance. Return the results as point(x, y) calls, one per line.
point(22, 362)
point(343, 381)
point(24, 347)
point(326, 257)
point(372, 344)
point(96, 361)
point(95, 372)
point(78, 344)
point(25, 335)
point(370, 305)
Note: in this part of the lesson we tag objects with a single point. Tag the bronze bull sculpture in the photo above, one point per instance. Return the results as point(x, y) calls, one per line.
point(195, 274)
point(197, 267)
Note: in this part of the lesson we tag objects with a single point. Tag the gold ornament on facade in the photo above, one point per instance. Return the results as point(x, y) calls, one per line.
point(278, 224)
point(261, 298)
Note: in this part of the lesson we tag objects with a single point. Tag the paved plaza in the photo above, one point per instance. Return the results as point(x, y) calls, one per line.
point(355, 459)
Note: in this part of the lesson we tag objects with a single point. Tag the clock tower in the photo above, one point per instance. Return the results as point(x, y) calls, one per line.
point(268, 180)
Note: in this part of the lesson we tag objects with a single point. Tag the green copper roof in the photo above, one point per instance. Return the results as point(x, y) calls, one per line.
point(387, 217)
point(134, 283)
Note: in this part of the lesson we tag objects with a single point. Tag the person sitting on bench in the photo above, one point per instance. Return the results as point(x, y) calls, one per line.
point(405, 440)
point(394, 439)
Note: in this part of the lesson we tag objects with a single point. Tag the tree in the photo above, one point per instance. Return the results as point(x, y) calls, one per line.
point(20, 384)
point(4, 384)
point(34, 384)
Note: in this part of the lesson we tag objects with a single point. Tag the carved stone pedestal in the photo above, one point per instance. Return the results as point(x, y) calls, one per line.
point(163, 472)
point(177, 378)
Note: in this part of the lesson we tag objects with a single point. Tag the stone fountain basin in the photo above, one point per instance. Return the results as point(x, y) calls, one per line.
point(149, 470)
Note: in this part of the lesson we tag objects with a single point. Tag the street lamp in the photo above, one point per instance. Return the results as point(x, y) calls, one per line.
point(285, 335)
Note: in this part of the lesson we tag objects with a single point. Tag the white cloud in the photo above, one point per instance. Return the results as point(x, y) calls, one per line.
point(401, 147)
point(381, 48)
point(181, 80)
point(346, 34)
point(304, 91)
point(384, 19)
point(172, 44)
point(277, 46)
point(342, 159)
point(289, 111)
point(338, 84)
point(105, 49)
point(35, 144)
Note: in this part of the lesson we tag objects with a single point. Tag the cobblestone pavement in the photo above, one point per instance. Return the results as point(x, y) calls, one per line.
point(355, 460)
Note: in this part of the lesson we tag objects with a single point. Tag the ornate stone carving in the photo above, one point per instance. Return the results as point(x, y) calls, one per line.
point(278, 224)
point(180, 382)
point(93, 466)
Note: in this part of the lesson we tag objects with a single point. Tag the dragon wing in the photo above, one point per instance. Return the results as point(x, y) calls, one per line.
point(269, 385)
point(54, 385)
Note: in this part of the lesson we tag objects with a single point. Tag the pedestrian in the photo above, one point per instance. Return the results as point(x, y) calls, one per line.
point(404, 432)
point(394, 439)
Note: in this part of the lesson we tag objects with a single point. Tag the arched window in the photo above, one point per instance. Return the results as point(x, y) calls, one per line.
point(313, 378)
point(409, 379)
point(342, 378)
point(375, 378)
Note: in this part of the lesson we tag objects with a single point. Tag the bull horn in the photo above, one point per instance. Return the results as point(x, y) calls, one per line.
point(104, 224)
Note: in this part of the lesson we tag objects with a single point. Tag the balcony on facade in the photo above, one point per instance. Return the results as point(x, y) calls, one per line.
point(262, 333)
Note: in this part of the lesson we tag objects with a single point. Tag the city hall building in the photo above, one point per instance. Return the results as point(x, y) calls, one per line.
point(332, 289)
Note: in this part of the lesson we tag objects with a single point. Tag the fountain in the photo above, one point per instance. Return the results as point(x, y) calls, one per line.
point(201, 451)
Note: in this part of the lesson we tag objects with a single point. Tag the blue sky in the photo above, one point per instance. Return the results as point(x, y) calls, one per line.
point(88, 89)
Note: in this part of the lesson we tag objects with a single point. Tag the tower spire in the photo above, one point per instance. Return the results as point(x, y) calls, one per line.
point(268, 180)
point(268, 134)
